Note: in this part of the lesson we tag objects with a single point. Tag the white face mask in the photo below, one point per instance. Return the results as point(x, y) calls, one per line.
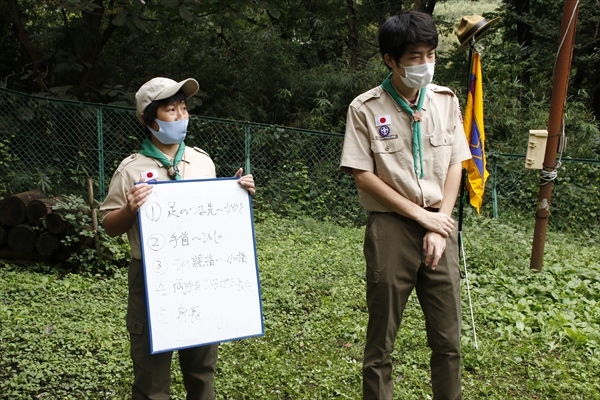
point(417, 76)
point(170, 132)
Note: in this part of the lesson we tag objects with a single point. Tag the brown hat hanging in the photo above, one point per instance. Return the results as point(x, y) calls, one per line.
point(473, 26)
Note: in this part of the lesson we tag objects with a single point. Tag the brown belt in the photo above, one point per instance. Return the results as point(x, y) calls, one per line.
point(430, 209)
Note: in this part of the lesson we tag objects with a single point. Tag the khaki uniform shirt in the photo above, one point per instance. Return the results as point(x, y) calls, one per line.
point(378, 139)
point(196, 164)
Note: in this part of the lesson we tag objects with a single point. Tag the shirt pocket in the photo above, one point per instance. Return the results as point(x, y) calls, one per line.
point(389, 159)
point(441, 144)
point(134, 326)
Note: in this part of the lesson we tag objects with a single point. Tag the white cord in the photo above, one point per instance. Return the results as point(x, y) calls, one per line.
point(430, 97)
point(549, 176)
point(462, 247)
point(562, 41)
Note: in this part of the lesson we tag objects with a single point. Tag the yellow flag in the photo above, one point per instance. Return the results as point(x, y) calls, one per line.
point(473, 123)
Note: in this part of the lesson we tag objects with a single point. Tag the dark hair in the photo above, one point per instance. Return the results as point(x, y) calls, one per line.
point(407, 28)
point(151, 110)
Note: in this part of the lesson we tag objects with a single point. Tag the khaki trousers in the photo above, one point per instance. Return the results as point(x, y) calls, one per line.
point(394, 256)
point(152, 372)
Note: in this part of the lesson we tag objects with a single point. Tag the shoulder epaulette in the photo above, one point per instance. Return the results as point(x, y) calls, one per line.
point(374, 93)
point(199, 150)
point(127, 161)
point(441, 89)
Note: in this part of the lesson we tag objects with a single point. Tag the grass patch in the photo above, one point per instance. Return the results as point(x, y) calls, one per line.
point(62, 336)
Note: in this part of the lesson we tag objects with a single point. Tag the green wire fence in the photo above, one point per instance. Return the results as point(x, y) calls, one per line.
point(55, 145)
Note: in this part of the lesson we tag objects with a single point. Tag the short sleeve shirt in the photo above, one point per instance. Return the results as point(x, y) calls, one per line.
point(196, 164)
point(379, 139)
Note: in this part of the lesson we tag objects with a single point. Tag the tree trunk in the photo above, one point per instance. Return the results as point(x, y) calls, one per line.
point(3, 235)
point(352, 40)
point(22, 238)
point(29, 47)
point(47, 243)
point(523, 36)
point(56, 224)
point(13, 209)
point(426, 6)
point(39, 208)
point(381, 10)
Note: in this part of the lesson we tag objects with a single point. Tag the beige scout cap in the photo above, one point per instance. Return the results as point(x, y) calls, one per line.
point(162, 88)
point(473, 26)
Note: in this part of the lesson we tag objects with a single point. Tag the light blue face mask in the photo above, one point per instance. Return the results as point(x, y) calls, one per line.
point(170, 132)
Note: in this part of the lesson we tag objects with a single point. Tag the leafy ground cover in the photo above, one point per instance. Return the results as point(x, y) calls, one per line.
point(62, 335)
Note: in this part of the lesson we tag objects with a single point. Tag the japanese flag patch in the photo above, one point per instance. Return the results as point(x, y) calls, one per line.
point(381, 120)
point(150, 176)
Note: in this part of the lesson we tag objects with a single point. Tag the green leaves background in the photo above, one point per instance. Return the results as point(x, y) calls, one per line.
point(63, 335)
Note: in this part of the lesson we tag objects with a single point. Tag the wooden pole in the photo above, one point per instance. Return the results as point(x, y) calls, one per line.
point(94, 216)
point(555, 124)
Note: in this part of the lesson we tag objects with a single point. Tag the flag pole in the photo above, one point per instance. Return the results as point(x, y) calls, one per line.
point(463, 180)
point(460, 213)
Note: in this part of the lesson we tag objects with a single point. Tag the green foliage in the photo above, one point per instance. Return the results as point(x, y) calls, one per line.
point(65, 339)
point(114, 251)
point(68, 177)
point(7, 163)
point(575, 202)
point(64, 336)
point(577, 184)
point(286, 62)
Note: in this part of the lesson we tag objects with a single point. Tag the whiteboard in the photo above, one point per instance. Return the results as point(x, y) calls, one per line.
point(199, 255)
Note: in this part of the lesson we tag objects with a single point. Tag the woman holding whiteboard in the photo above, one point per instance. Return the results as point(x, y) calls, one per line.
point(161, 107)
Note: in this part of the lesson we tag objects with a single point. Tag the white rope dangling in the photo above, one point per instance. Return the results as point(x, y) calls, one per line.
point(462, 248)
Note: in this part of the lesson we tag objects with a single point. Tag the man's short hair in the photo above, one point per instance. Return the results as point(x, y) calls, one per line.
point(407, 28)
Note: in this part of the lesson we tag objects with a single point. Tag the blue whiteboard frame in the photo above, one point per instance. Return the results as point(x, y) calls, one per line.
point(152, 328)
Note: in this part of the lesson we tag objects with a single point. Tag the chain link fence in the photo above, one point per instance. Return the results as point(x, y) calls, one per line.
point(575, 201)
point(55, 145)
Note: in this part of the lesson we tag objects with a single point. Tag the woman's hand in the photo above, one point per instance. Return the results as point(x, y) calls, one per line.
point(246, 181)
point(137, 195)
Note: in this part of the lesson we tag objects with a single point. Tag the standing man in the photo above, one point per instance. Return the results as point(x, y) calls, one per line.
point(404, 145)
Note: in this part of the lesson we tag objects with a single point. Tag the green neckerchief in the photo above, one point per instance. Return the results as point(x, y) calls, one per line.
point(148, 149)
point(417, 117)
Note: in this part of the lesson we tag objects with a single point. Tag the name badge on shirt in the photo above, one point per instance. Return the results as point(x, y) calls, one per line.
point(383, 120)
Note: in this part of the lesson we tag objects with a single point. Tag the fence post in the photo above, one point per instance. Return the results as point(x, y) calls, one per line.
point(100, 152)
point(247, 139)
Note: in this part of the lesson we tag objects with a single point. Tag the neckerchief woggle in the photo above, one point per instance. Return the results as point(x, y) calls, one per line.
point(417, 116)
point(149, 149)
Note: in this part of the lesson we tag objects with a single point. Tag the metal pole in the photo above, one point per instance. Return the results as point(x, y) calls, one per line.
point(247, 143)
point(463, 183)
point(100, 133)
point(559, 93)
point(463, 180)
